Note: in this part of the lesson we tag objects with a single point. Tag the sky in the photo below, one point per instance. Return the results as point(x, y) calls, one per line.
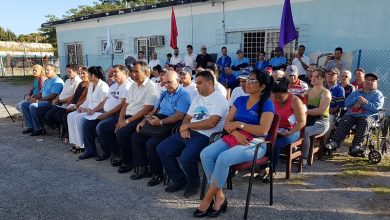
point(26, 16)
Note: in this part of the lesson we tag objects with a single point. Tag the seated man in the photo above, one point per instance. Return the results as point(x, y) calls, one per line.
point(34, 111)
point(171, 109)
point(142, 97)
point(338, 98)
point(362, 104)
point(279, 60)
point(240, 90)
point(227, 78)
point(205, 116)
point(110, 107)
point(240, 63)
point(297, 86)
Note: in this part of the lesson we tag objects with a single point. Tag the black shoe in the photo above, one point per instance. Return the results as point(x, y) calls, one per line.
point(52, 126)
point(38, 132)
point(142, 173)
point(86, 156)
point(156, 179)
point(28, 131)
point(174, 187)
point(200, 214)
point(101, 158)
point(115, 161)
point(215, 213)
point(191, 191)
point(124, 168)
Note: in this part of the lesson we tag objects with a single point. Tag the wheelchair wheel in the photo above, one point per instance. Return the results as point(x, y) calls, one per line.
point(374, 157)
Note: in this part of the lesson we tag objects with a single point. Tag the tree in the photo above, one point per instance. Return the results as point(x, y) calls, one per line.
point(50, 32)
point(7, 35)
point(32, 37)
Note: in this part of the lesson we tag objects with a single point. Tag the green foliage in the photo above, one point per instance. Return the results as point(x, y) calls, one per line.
point(7, 35)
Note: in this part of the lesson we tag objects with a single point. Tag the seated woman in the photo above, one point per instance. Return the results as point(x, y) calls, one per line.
point(317, 120)
point(39, 79)
point(292, 116)
point(97, 92)
point(250, 116)
point(74, 103)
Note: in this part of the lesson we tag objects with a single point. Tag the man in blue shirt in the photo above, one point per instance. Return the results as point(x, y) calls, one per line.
point(224, 60)
point(34, 111)
point(240, 64)
point(279, 60)
point(171, 109)
point(262, 63)
point(362, 106)
point(228, 79)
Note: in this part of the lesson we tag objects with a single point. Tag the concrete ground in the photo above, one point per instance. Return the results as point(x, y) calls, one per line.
point(41, 179)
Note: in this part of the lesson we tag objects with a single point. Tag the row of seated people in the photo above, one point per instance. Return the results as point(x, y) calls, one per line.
point(133, 120)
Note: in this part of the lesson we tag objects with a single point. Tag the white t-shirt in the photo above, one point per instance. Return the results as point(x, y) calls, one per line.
point(202, 108)
point(189, 60)
point(116, 94)
point(301, 70)
point(220, 88)
point(175, 60)
point(70, 87)
point(139, 96)
point(237, 92)
point(94, 97)
point(155, 79)
point(192, 90)
point(153, 63)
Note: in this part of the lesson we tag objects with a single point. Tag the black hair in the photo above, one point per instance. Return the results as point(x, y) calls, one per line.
point(120, 67)
point(215, 68)
point(175, 48)
point(169, 55)
point(281, 85)
point(339, 49)
point(73, 67)
point(207, 75)
point(264, 79)
point(97, 71)
point(190, 46)
point(302, 46)
point(141, 52)
point(157, 68)
point(262, 52)
point(223, 48)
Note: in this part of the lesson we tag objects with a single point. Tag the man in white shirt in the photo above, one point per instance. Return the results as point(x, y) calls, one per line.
point(205, 116)
point(301, 61)
point(154, 61)
point(66, 94)
point(142, 97)
point(141, 56)
point(190, 57)
point(239, 91)
point(175, 59)
point(186, 81)
point(105, 123)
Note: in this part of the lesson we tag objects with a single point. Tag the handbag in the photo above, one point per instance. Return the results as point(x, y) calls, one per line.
point(311, 119)
point(150, 130)
point(232, 141)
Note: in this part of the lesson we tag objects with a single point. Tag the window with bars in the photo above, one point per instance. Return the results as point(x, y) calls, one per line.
point(117, 46)
point(253, 42)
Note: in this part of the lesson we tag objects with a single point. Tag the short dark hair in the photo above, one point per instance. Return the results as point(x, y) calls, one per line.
point(313, 64)
point(73, 67)
point(302, 46)
point(121, 68)
point(339, 49)
point(169, 55)
point(175, 48)
point(207, 75)
point(281, 85)
point(190, 46)
point(141, 52)
point(157, 68)
point(224, 48)
point(97, 71)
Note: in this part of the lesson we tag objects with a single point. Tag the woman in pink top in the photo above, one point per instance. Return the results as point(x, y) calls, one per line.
point(292, 116)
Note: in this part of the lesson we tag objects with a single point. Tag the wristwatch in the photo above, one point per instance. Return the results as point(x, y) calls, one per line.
point(161, 123)
point(242, 125)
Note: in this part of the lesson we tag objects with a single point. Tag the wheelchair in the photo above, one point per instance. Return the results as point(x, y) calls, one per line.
point(376, 141)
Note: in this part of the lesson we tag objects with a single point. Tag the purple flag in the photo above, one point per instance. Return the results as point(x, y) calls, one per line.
point(288, 32)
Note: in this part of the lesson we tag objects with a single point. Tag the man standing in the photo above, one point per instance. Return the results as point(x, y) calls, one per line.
point(301, 61)
point(203, 60)
point(205, 116)
point(190, 57)
point(359, 78)
point(142, 97)
point(141, 56)
point(35, 110)
point(154, 61)
point(334, 61)
point(240, 64)
point(224, 61)
point(175, 59)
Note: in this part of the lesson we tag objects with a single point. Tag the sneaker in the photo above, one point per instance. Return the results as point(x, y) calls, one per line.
point(356, 150)
point(304, 162)
point(331, 145)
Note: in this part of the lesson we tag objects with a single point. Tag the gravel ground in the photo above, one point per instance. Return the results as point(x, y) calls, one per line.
point(41, 179)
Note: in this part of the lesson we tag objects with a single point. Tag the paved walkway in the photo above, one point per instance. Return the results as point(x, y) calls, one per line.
point(41, 179)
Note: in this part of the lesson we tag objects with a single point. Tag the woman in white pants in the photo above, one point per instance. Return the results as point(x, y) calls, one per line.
point(97, 92)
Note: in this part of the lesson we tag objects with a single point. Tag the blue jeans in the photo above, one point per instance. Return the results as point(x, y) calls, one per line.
point(188, 151)
point(105, 131)
point(218, 157)
point(280, 143)
point(32, 112)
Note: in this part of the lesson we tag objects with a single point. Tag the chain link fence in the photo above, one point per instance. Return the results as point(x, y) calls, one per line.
point(22, 65)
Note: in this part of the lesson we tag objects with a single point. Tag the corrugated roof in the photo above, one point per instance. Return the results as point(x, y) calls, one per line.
point(25, 47)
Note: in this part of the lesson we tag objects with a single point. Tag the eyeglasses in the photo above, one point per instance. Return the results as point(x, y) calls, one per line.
point(252, 81)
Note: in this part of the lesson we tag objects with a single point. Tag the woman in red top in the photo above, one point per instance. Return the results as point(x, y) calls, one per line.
point(292, 116)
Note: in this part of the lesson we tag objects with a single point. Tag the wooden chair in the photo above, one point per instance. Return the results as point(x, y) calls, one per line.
point(292, 152)
point(317, 142)
point(266, 160)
